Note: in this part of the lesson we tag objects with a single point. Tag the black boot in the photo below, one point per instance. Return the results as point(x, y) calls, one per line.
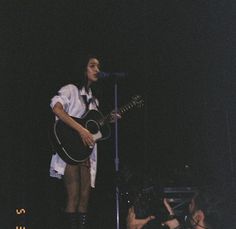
point(83, 221)
point(71, 221)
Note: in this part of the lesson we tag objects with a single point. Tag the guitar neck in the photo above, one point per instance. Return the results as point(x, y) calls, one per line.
point(126, 108)
point(122, 110)
point(133, 103)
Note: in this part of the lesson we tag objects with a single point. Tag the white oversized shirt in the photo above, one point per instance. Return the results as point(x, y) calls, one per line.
point(71, 99)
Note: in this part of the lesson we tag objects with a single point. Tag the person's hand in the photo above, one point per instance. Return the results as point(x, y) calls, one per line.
point(113, 116)
point(172, 223)
point(133, 223)
point(87, 137)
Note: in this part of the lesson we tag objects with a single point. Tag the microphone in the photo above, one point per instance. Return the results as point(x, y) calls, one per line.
point(112, 75)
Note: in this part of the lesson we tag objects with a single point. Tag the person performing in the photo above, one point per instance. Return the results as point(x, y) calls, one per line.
point(78, 178)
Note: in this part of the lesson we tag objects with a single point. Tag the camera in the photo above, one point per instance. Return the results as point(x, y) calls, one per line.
point(146, 196)
point(149, 200)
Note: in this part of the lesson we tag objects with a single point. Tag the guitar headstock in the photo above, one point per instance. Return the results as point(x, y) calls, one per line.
point(138, 101)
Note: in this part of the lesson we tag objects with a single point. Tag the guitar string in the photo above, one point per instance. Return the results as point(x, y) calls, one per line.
point(121, 111)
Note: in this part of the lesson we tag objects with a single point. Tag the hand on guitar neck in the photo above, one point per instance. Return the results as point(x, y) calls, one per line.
point(113, 116)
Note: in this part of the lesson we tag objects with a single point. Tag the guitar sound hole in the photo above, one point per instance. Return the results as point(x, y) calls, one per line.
point(92, 126)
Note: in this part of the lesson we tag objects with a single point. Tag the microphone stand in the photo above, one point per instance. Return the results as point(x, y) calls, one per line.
point(116, 158)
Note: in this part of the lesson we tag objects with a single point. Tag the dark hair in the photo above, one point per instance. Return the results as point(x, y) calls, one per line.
point(79, 73)
point(217, 206)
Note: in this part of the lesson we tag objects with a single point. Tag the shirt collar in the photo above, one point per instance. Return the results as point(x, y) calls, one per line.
point(89, 94)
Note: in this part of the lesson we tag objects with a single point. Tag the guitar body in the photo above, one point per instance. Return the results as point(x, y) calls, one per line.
point(69, 144)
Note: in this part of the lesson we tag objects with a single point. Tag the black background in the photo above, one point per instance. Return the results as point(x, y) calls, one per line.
point(180, 55)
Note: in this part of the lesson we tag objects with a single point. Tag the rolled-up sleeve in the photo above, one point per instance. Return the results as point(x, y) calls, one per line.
point(63, 97)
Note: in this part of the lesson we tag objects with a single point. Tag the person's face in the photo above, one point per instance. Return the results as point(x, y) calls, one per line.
point(92, 70)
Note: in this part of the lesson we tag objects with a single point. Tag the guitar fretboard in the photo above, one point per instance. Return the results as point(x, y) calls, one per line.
point(120, 111)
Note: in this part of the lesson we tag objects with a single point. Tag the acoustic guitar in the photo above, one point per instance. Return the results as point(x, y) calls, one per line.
point(68, 143)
